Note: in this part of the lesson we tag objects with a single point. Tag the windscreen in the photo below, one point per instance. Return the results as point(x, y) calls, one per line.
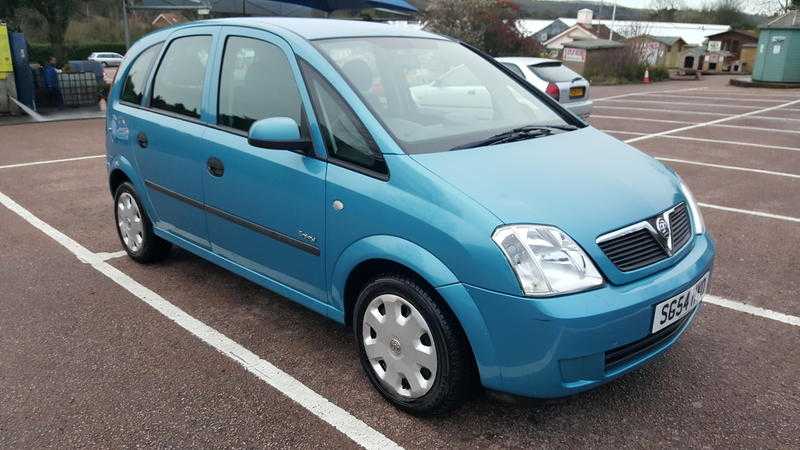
point(434, 95)
point(554, 72)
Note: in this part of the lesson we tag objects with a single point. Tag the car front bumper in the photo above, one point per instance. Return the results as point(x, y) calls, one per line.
point(555, 347)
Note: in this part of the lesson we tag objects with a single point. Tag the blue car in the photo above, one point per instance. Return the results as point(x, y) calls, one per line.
point(467, 227)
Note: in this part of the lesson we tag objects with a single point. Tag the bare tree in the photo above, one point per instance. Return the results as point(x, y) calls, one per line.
point(458, 19)
point(770, 7)
point(487, 24)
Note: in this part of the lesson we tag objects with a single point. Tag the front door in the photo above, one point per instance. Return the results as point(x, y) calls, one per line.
point(264, 206)
point(167, 136)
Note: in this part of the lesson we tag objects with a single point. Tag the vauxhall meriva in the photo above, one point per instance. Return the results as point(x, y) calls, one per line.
point(466, 226)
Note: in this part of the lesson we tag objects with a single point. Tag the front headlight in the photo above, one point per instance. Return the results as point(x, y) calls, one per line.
point(694, 209)
point(546, 260)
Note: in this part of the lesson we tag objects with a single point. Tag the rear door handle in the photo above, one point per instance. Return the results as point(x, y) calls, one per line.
point(215, 167)
point(141, 138)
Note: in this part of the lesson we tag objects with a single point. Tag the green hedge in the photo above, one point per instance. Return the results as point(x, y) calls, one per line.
point(40, 52)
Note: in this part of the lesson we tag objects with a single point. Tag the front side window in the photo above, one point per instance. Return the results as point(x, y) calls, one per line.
point(435, 95)
point(256, 82)
point(133, 89)
point(346, 137)
point(178, 85)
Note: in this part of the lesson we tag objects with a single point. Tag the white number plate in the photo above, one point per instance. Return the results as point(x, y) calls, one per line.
point(674, 309)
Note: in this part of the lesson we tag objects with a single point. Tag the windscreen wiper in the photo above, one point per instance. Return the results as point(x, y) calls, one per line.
point(517, 134)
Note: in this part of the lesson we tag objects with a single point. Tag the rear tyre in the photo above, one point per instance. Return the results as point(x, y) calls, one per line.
point(134, 228)
point(413, 350)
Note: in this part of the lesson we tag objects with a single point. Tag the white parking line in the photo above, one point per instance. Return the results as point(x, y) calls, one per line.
point(109, 256)
point(361, 433)
point(650, 93)
point(750, 93)
point(683, 122)
point(641, 119)
point(752, 310)
point(747, 127)
point(750, 212)
point(52, 161)
point(689, 138)
point(683, 103)
point(785, 119)
point(775, 100)
point(713, 122)
point(720, 166)
point(661, 110)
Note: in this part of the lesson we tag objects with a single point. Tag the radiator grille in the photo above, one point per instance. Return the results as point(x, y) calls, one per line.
point(642, 245)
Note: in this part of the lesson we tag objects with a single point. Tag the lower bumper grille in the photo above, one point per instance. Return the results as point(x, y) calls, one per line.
point(621, 355)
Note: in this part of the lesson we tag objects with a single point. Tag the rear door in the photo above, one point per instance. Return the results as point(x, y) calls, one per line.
point(265, 206)
point(168, 131)
point(571, 85)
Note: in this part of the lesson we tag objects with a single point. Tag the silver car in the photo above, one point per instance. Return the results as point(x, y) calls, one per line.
point(107, 59)
point(556, 79)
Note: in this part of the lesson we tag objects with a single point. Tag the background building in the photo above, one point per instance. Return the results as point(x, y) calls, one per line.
point(778, 58)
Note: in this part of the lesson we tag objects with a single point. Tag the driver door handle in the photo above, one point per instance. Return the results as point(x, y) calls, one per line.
point(215, 167)
point(141, 138)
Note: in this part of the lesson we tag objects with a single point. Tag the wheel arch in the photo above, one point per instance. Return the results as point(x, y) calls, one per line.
point(375, 255)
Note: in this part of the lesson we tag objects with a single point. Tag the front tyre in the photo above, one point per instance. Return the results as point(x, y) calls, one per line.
point(134, 228)
point(413, 350)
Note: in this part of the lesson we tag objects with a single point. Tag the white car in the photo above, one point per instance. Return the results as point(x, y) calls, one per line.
point(106, 58)
point(557, 80)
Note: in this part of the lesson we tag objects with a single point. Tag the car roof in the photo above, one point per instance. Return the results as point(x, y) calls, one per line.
point(526, 61)
point(310, 29)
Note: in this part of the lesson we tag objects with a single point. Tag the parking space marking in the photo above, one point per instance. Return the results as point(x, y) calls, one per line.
point(750, 212)
point(690, 138)
point(752, 310)
point(733, 99)
point(641, 119)
point(632, 133)
point(109, 256)
point(713, 122)
point(52, 161)
point(683, 122)
point(726, 105)
point(786, 119)
point(699, 113)
point(720, 166)
point(754, 94)
point(650, 93)
point(747, 127)
point(361, 433)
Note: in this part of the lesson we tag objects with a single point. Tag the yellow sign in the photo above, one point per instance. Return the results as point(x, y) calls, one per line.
point(5, 53)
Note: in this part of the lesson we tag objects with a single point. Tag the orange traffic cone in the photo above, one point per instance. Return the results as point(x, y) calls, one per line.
point(646, 79)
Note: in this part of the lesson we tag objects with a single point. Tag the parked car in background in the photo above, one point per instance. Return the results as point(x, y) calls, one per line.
point(556, 79)
point(495, 238)
point(107, 59)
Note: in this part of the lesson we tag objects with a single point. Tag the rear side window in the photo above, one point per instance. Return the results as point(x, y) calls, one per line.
point(178, 85)
point(256, 82)
point(514, 68)
point(554, 72)
point(133, 89)
point(346, 137)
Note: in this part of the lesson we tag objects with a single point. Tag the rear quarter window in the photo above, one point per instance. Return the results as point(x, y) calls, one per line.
point(135, 80)
point(554, 72)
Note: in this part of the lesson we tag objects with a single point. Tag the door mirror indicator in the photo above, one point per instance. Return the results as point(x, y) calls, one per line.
point(278, 133)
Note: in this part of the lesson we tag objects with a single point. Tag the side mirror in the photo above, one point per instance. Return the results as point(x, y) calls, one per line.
point(278, 133)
